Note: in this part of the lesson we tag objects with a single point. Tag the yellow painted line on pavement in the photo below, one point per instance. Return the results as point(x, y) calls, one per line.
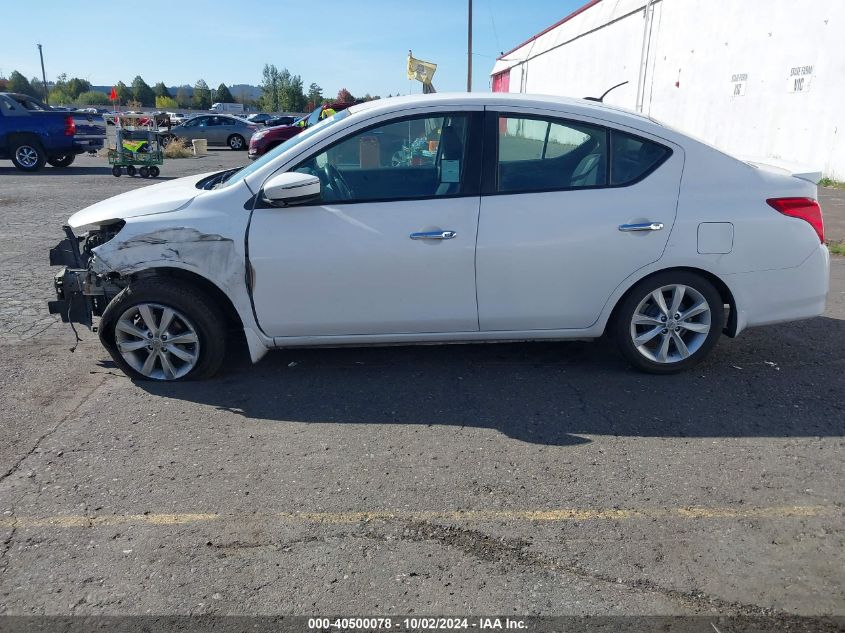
point(303, 518)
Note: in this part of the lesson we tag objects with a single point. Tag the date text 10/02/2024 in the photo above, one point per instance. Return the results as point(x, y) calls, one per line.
point(416, 623)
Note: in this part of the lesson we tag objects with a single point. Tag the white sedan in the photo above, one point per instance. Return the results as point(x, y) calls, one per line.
point(450, 218)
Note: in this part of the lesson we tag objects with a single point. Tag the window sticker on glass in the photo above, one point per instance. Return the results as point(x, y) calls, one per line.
point(450, 171)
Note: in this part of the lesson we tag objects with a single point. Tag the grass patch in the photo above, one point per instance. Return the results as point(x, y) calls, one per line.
point(830, 182)
point(836, 248)
point(178, 148)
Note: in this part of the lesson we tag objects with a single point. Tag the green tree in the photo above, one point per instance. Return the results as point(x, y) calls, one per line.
point(293, 99)
point(223, 95)
point(60, 83)
point(59, 97)
point(124, 94)
point(166, 103)
point(37, 87)
point(93, 98)
point(202, 95)
point(314, 96)
point(19, 83)
point(76, 87)
point(142, 92)
point(183, 96)
point(270, 80)
point(161, 90)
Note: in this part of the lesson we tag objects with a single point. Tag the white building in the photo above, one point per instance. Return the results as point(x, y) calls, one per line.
point(760, 79)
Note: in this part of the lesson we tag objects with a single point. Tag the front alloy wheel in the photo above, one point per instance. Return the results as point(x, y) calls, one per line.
point(157, 341)
point(669, 322)
point(161, 328)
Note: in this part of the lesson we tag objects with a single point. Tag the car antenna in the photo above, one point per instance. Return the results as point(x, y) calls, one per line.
point(601, 98)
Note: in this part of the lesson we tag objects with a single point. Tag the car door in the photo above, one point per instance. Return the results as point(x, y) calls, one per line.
point(197, 127)
point(571, 209)
point(216, 130)
point(390, 246)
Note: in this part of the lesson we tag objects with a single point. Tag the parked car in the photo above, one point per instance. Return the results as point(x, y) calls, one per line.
point(270, 137)
point(260, 118)
point(32, 133)
point(499, 217)
point(286, 119)
point(177, 118)
point(217, 129)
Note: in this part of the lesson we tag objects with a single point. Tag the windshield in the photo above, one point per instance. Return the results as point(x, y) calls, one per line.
point(281, 149)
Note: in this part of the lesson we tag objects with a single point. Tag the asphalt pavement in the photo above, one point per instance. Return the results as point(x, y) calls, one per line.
point(543, 478)
point(832, 201)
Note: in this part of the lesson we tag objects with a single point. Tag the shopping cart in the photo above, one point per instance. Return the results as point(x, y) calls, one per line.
point(134, 144)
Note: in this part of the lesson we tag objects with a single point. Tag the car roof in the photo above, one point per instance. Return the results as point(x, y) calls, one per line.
point(583, 107)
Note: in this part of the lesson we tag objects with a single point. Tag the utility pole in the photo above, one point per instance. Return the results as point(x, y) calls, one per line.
point(43, 76)
point(469, 47)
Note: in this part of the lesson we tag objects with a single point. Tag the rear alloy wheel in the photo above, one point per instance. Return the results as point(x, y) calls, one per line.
point(236, 142)
point(62, 161)
point(669, 322)
point(163, 329)
point(28, 156)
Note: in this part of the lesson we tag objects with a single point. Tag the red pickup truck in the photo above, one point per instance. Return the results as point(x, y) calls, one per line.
point(264, 140)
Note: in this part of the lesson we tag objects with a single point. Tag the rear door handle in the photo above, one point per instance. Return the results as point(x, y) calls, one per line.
point(645, 226)
point(434, 235)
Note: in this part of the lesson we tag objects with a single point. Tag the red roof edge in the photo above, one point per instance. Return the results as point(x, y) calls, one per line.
point(553, 26)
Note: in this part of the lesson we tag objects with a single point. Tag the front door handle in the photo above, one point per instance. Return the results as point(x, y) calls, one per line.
point(434, 235)
point(645, 226)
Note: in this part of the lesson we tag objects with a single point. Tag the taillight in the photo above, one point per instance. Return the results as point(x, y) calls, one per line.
point(70, 126)
point(805, 209)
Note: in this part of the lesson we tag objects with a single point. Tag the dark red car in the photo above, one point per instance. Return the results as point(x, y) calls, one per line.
point(264, 140)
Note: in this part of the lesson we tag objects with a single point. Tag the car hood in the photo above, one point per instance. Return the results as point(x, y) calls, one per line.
point(165, 197)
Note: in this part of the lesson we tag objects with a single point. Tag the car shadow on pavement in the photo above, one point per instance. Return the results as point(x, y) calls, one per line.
point(779, 381)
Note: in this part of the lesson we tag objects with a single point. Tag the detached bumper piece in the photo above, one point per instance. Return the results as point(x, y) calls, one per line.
point(79, 294)
point(71, 303)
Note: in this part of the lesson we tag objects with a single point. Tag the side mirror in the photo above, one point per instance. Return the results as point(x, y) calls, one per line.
point(290, 188)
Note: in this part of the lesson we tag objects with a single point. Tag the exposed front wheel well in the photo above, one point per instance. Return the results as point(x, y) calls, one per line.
point(724, 292)
point(227, 308)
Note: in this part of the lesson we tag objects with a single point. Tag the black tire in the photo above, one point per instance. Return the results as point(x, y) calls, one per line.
point(183, 297)
point(62, 161)
point(27, 154)
point(154, 171)
point(236, 142)
point(115, 171)
point(131, 171)
point(144, 171)
point(621, 324)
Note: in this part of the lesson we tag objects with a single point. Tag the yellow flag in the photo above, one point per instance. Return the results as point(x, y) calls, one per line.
point(420, 70)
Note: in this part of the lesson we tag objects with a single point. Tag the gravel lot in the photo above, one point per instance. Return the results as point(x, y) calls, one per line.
point(510, 479)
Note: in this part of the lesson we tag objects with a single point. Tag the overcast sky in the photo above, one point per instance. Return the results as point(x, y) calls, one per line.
point(358, 45)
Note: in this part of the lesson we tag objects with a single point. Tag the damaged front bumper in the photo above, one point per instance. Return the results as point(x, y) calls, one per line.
point(81, 294)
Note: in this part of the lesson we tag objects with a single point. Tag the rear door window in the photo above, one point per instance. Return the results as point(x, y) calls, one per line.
point(539, 154)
